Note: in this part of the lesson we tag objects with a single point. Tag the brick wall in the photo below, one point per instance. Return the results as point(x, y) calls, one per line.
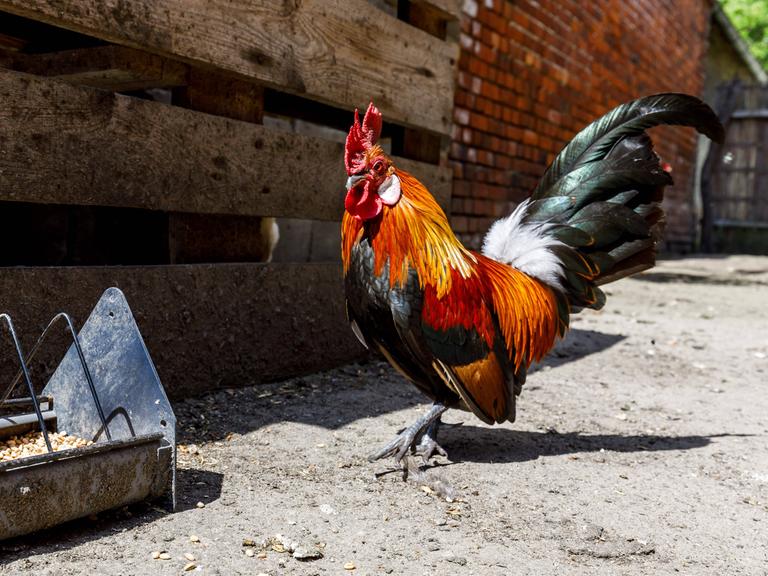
point(533, 73)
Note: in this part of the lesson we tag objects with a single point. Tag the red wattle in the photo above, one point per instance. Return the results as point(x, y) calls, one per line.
point(362, 203)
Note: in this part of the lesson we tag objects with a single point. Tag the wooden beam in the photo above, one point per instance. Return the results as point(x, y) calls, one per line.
point(342, 52)
point(757, 114)
point(726, 223)
point(205, 326)
point(432, 17)
point(62, 144)
point(111, 67)
point(451, 9)
point(213, 93)
point(194, 238)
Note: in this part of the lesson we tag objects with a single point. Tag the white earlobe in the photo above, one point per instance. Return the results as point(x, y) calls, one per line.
point(389, 191)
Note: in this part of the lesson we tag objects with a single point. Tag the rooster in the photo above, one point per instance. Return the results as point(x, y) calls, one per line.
point(465, 326)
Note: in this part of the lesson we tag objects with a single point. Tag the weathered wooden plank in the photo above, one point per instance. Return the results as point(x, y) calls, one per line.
point(213, 93)
point(343, 52)
point(740, 223)
point(432, 17)
point(196, 238)
point(61, 144)
point(450, 8)
point(206, 326)
point(759, 114)
point(112, 67)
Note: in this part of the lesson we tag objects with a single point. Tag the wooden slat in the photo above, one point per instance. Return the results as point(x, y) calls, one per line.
point(205, 326)
point(760, 113)
point(196, 238)
point(111, 67)
point(343, 52)
point(212, 93)
point(724, 222)
point(61, 144)
point(450, 8)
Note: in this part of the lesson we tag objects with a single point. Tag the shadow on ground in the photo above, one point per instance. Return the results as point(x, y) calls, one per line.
point(578, 344)
point(475, 444)
point(332, 399)
point(195, 486)
point(738, 278)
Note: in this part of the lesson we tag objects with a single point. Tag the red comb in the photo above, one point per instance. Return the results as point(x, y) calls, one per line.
point(361, 138)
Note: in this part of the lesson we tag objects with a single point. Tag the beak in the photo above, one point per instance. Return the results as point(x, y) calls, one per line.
point(353, 180)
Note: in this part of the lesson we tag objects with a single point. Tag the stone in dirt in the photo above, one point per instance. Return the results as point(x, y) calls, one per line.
point(303, 552)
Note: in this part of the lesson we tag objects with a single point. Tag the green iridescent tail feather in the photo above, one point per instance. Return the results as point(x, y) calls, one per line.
point(602, 195)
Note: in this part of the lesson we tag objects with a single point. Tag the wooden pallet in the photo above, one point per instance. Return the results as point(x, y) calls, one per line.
point(156, 133)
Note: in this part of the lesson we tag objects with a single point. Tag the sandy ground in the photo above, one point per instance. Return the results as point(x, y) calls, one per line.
point(640, 448)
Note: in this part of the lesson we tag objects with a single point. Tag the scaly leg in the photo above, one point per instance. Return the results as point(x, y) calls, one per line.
point(426, 425)
point(428, 445)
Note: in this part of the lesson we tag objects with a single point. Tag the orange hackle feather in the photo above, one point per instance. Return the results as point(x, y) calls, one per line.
point(415, 232)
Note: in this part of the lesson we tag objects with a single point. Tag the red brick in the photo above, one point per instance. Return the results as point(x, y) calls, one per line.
point(462, 188)
point(533, 73)
point(460, 223)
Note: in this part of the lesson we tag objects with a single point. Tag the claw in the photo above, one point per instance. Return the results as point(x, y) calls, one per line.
point(398, 447)
point(424, 428)
point(428, 447)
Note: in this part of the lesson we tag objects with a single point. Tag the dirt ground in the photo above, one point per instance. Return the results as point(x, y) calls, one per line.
point(640, 448)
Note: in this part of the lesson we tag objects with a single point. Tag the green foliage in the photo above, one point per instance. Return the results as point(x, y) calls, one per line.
point(750, 17)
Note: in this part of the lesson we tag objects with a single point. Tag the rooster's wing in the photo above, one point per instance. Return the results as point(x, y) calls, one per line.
point(484, 333)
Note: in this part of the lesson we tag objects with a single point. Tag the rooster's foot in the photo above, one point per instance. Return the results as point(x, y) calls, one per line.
point(428, 446)
point(406, 440)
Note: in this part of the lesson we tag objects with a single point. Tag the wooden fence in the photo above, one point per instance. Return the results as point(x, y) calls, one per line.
point(135, 136)
point(735, 182)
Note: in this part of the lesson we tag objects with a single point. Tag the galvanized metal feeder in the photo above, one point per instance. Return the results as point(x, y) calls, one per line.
point(106, 390)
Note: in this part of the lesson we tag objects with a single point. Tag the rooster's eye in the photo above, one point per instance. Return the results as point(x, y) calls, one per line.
point(378, 166)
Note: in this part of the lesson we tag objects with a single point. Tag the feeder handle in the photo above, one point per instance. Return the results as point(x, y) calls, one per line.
point(25, 371)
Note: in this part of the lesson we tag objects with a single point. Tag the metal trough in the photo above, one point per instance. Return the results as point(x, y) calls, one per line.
point(105, 390)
